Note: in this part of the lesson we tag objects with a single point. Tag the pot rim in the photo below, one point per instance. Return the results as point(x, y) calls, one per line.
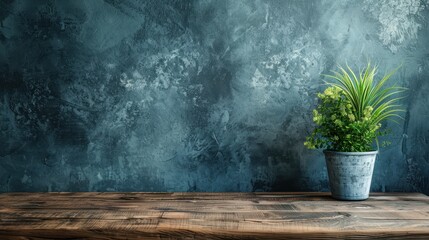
point(350, 153)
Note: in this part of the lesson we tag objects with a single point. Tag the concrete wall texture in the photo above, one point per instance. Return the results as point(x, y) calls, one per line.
point(204, 95)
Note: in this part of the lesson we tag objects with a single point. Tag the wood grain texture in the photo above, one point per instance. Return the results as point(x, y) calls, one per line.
point(91, 215)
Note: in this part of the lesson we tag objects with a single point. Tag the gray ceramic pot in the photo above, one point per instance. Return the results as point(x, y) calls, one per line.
point(350, 173)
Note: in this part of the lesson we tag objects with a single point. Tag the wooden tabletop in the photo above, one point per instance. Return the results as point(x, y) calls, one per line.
point(91, 215)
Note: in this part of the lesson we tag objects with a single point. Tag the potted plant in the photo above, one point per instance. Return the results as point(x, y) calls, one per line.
point(349, 119)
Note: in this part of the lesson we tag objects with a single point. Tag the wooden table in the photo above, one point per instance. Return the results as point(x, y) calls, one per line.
point(211, 216)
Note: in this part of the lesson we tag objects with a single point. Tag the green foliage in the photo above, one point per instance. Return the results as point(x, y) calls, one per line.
point(352, 109)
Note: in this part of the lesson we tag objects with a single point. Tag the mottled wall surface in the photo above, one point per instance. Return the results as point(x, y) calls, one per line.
point(128, 95)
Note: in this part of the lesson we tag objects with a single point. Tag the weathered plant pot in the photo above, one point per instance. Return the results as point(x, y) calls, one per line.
point(350, 173)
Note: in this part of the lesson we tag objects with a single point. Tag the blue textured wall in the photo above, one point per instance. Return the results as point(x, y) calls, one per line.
point(128, 95)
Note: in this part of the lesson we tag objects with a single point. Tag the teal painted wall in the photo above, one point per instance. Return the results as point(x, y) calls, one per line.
point(128, 95)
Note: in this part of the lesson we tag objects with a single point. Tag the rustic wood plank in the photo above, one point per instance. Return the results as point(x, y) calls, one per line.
point(91, 215)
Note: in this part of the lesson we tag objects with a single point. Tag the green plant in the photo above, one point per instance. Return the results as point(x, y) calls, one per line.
point(351, 110)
